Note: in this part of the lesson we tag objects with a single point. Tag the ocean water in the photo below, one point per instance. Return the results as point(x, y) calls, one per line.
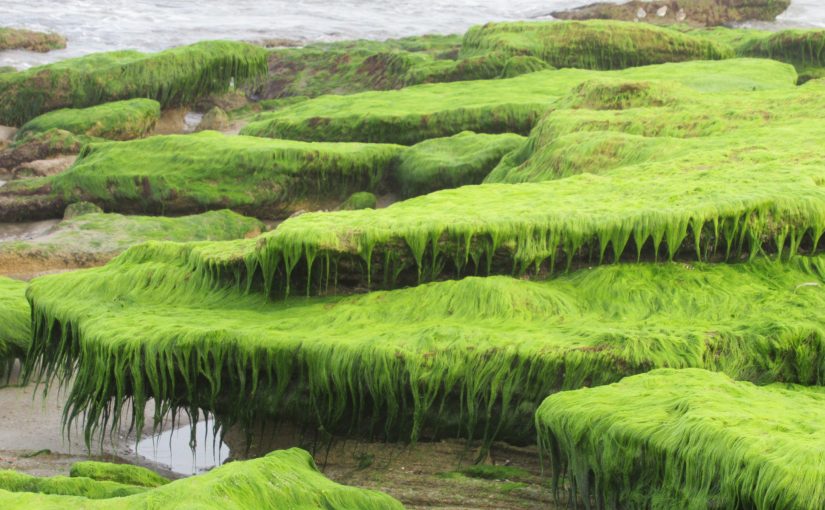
point(153, 25)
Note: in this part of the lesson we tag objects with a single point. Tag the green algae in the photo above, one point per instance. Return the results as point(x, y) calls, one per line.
point(360, 200)
point(120, 120)
point(172, 77)
point(471, 358)
point(188, 173)
point(687, 439)
point(119, 473)
point(440, 163)
point(87, 488)
point(417, 113)
point(485, 52)
point(805, 49)
point(348, 67)
point(719, 163)
point(487, 472)
point(593, 44)
point(604, 126)
point(15, 327)
point(282, 479)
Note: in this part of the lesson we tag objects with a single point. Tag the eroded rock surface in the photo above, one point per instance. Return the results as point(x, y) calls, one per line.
point(695, 12)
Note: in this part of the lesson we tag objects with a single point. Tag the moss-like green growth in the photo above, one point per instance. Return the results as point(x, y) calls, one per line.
point(282, 479)
point(485, 52)
point(15, 327)
point(120, 120)
point(119, 473)
point(360, 200)
point(592, 44)
point(523, 64)
point(805, 49)
point(472, 357)
point(356, 66)
point(440, 163)
point(86, 488)
point(418, 113)
point(487, 472)
point(687, 439)
point(21, 39)
point(88, 238)
point(605, 126)
point(208, 170)
point(172, 77)
point(79, 209)
point(215, 119)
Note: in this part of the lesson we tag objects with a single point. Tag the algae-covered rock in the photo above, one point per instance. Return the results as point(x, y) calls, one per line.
point(414, 114)
point(622, 94)
point(173, 77)
point(694, 12)
point(15, 327)
point(688, 439)
point(86, 488)
point(592, 44)
point(439, 163)
point(119, 473)
point(21, 39)
point(88, 237)
point(803, 48)
point(523, 64)
point(120, 120)
point(215, 120)
point(208, 170)
point(79, 209)
point(40, 146)
point(359, 200)
point(471, 344)
point(357, 66)
point(282, 479)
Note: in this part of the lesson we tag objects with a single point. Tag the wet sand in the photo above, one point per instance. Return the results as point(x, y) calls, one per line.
point(38, 444)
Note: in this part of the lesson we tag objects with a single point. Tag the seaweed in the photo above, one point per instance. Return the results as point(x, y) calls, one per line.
point(120, 120)
point(469, 358)
point(360, 200)
point(282, 479)
point(417, 113)
point(119, 473)
point(440, 163)
point(87, 488)
point(597, 44)
point(178, 174)
point(15, 324)
point(686, 439)
point(173, 77)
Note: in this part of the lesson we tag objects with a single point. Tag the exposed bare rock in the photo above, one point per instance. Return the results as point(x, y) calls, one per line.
point(43, 167)
point(694, 12)
point(7, 133)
